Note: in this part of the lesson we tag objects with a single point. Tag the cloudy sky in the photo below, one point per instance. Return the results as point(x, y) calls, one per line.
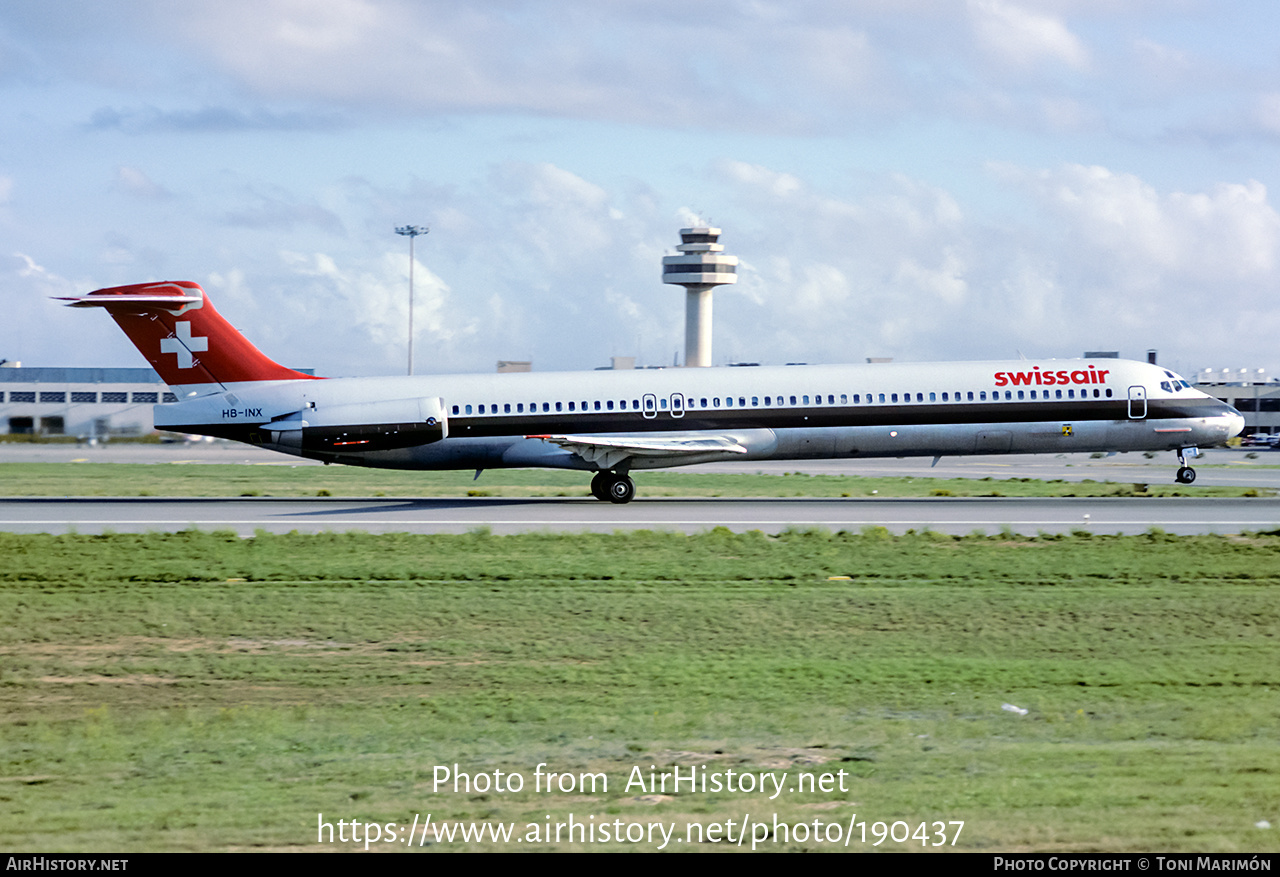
point(921, 179)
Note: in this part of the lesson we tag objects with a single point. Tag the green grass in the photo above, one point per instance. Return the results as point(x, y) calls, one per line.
point(197, 691)
point(170, 479)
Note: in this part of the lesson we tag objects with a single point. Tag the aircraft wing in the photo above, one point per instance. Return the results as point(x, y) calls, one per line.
point(607, 452)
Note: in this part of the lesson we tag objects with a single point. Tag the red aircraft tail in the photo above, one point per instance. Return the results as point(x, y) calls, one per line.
point(175, 326)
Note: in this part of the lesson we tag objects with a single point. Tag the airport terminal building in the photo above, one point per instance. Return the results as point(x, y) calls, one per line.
point(84, 402)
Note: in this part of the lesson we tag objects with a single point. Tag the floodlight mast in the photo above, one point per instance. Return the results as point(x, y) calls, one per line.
point(411, 232)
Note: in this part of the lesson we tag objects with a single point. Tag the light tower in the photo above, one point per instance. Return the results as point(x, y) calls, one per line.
point(411, 232)
point(700, 268)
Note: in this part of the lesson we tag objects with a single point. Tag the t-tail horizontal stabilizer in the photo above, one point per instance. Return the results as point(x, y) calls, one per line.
point(189, 344)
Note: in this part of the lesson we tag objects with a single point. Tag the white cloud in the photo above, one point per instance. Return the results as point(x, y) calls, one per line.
point(1230, 231)
point(770, 182)
point(1022, 38)
point(1267, 112)
point(136, 182)
point(29, 269)
point(945, 282)
point(1160, 61)
point(1117, 263)
point(377, 300)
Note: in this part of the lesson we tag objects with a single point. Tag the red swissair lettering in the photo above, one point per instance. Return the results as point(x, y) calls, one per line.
point(1086, 375)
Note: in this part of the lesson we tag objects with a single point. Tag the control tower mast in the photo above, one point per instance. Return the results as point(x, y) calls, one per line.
point(700, 268)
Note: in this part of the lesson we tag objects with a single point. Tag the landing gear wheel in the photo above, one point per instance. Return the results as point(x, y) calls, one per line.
point(621, 489)
point(600, 486)
point(1186, 475)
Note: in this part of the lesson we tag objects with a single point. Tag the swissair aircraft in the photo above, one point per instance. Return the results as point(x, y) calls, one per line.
point(612, 422)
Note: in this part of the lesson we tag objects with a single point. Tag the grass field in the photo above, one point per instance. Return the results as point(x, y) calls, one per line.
point(197, 691)
point(169, 479)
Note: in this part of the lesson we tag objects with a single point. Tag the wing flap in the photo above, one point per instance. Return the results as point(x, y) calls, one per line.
point(607, 452)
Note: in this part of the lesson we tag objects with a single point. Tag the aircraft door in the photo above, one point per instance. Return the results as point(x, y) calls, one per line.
point(677, 405)
point(650, 408)
point(1137, 403)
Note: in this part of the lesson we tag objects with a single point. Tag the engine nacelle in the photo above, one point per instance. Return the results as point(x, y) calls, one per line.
point(360, 427)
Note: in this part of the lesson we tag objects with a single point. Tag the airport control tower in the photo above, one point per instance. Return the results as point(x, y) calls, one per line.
point(700, 268)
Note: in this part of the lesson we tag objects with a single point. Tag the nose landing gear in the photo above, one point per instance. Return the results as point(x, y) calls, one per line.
point(616, 487)
point(1186, 474)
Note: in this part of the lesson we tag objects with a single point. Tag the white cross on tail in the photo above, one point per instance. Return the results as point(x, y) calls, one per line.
point(184, 345)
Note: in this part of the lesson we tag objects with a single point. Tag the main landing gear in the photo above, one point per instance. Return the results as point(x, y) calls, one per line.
point(1186, 474)
point(613, 486)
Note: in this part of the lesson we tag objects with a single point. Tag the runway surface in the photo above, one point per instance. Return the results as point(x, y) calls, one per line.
point(951, 515)
point(1220, 466)
point(943, 514)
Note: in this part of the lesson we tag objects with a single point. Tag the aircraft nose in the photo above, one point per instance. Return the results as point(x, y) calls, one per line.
point(1235, 424)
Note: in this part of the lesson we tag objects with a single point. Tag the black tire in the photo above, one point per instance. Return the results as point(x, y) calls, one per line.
point(1186, 475)
point(600, 486)
point(621, 489)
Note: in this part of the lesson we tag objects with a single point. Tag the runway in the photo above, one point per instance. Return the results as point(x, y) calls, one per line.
point(951, 515)
point(1232, 467)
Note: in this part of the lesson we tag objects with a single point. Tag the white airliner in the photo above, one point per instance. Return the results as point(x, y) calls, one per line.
point(611, 422)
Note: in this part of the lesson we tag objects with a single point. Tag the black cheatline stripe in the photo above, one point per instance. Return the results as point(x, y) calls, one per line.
point(921, 414)
point(723, 419)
